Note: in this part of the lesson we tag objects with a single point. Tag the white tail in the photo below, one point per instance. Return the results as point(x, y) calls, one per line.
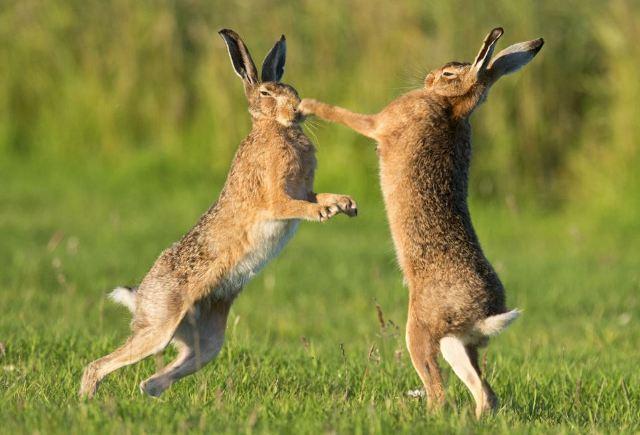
point(124, 296)
point(496, 324)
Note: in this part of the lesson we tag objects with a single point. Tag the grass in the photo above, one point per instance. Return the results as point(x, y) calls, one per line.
point(305, 350)
point(117, 123)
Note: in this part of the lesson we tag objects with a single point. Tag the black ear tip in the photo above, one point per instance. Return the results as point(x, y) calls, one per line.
point(224, 34)
point(282, 38)
point(537, 46)
point(497, 32)
point(228, 33)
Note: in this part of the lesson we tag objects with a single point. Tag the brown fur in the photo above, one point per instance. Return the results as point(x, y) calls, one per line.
point(187, 294)
point(424, 148)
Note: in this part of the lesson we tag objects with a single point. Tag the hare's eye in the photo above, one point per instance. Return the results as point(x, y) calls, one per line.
point(264, 93)
point(448, 74)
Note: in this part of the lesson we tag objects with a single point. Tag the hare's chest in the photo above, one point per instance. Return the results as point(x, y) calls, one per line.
point(266, 240)
point(302, 169)
point(269, 237)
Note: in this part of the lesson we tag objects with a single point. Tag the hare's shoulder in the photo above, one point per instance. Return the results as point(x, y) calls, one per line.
point(292, 147)
point(413, 115)
point(407, 102)
point(295, 138)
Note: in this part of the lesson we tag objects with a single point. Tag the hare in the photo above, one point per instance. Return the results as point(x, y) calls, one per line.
point(456, 300)
point(186, 296)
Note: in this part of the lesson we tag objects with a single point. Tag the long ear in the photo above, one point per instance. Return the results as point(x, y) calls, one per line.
point(240, 57)
point(486, 51)
point(273, 65)
point(513, 58)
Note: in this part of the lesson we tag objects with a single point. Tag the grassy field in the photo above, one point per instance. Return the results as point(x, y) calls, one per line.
point(118, 120)
point(305, 350)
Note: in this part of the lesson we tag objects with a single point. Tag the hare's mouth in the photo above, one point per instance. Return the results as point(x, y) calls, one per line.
point(299, 117)
point(288, 121)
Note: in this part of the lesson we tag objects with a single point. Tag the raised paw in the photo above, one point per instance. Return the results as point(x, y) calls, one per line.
point(307, 106)
point(344, 203)
point(326, 212)
point(347, 205)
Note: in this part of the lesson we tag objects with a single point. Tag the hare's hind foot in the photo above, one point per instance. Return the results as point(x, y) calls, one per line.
point(141, 344)
point(463, 359)
point(89, 382)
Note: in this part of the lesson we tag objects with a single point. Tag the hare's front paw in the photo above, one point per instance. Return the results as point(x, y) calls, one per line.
point(326, 212)
point(347, 205)
point(332, 203)
point(307, 106)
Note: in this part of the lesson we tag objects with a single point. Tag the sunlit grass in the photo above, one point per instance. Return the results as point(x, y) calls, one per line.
point(305, 351)
point(118, 121)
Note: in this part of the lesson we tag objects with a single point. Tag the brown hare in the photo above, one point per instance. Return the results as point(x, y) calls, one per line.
point(186, 296)
point(456, 300)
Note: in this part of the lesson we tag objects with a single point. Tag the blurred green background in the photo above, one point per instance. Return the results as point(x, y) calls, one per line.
point(118, 122)
point(117, 80)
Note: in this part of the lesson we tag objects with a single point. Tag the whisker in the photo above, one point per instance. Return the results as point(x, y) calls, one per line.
point(413, 76)
point(403, 88)
point(312, 123)
point(310, 131)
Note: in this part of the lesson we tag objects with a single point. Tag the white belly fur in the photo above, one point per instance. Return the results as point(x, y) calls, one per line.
point(266, 241)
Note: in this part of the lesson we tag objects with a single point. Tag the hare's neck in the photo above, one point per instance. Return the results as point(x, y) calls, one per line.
point(269, 130)
point(263, 123)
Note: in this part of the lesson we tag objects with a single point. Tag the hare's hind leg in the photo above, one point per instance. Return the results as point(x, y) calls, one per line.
point(199, 339)
point(153, 328)
point(141, 344)
point(423, 350)
point(463, 359)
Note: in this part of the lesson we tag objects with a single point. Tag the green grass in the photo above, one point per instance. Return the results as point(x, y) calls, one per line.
point(305, 352)
point(117, 124)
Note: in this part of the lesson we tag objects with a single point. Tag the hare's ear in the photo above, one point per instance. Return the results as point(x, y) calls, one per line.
point(273, 65)
point(483, 57)
point(513, 58)
point(240, 57)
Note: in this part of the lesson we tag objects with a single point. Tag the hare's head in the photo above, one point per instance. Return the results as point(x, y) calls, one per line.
point(268, 98)
point(466, 84)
